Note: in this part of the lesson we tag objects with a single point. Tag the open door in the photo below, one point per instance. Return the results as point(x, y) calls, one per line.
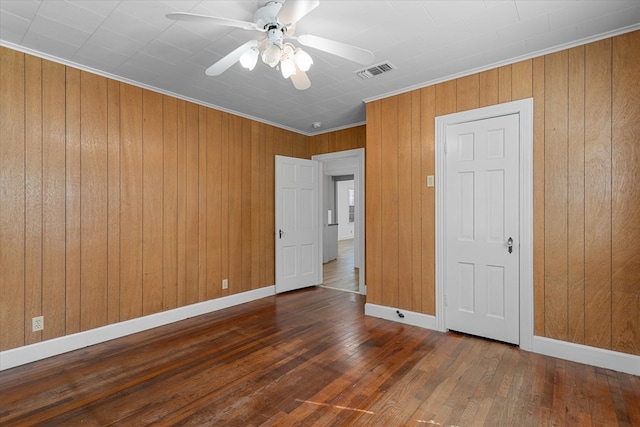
point(298, 233)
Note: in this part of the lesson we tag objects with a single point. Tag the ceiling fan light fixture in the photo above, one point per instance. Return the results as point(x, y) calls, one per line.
point(249, 59)
point(303, 60)
point(277, 18)
point(271, 55)
point(287, 67)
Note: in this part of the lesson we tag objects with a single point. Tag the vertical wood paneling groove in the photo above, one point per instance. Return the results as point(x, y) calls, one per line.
point(192, 203)
point(152, 202)
point(597, 219)
point(170, 203)
point(538, 87)
point(235, 203)
point(418, 184)
point(556, 197)
point(131, 193)
point(245, 206)
point(214, 214)
point(389, 195)
point(113, 201)
point(270, 206)
point(405, 190)
point(12, 208)
point(488, 91)
point(202, 203)
point(224, 198)
point(446, 98)
point(575, 206)
point(468, 92)
point(33, 196)
point(93, 201)
point(373, 219)
point(181, 291)
point(625, 204)
point(54, 202)
point(264, 158)
point(521, 80)
point(71, 306)
point(255, 200)
point(428, 113)
point(504, 84)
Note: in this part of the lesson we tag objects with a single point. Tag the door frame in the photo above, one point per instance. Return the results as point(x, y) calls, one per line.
point(349, 162)
point(524, 108)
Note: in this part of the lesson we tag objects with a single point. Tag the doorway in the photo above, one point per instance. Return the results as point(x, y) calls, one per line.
point(451, 220)
point(349, 263)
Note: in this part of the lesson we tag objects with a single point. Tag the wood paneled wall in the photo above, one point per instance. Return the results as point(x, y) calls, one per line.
point(341, 140)
point(586, 189)
point(118, 202)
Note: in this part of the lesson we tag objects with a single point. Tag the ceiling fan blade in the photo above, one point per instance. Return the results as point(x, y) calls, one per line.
point(194, 17)
point(294, 10)
point(300, 80)
point(352, 53)
point(223, 64)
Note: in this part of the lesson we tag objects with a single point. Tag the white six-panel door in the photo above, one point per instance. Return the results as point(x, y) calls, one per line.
point(482, 215)
point(298, 254)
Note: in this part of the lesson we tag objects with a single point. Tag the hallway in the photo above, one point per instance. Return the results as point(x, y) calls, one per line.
point(340, 273)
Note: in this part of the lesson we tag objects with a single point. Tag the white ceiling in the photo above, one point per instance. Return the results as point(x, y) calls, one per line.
point(427, 41)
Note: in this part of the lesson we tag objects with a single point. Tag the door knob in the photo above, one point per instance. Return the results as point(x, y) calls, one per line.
point(281, 233)
point(510, 244)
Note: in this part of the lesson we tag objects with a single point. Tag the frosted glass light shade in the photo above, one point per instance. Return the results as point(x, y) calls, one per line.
point(303, 60)
point(288, 68)
point(271, 55)
point(249, 59)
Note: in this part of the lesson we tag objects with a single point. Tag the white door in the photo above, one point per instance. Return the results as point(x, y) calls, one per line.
point(482, 223)
point(298, 241)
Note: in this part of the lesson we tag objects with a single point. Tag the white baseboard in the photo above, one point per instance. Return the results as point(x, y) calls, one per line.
point(616, 361)
point(608, 359)
point(410, 317)
point(33, 352)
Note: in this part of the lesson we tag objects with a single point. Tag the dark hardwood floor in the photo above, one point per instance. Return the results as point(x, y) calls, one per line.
point(306, 358)
point(340, 272)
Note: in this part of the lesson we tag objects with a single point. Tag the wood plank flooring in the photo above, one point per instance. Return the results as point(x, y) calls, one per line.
point(340, 272)
point(311, 358)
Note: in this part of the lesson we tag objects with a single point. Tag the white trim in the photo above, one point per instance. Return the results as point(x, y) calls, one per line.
point(411, 88)
point(33, 352)
point(334, 129)
point(524, 108)
point(509, 61)
point(155, 89)
point(607, 359)
point(359, 184)
point(616, 361)
point(410, 317)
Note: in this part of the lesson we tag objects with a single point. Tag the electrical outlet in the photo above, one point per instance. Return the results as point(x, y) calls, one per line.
point(225, 283)
point(430, 181)
point(37, 323)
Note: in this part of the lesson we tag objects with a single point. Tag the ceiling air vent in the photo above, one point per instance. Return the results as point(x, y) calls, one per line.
point(375, 70)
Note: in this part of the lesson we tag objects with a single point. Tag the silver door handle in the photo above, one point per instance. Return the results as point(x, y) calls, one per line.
point(510, 244)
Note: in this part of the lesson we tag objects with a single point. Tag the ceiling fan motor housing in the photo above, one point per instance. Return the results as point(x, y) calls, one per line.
point(267, 15)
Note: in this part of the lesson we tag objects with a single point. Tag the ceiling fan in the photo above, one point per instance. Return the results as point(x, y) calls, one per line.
point(277, 20)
